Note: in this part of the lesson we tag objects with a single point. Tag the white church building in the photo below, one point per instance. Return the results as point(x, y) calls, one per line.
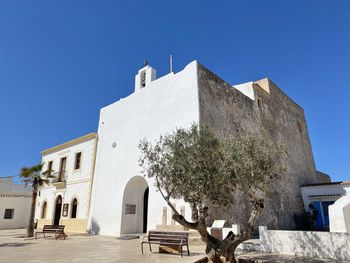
point(156, 107)
point(99, 187)
point(122, 201)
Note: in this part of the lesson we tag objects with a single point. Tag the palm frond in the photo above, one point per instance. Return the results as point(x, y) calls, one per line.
point(27, 181)
point(25, 172)
point(47, 172)
point(37, 168)
point(43, 181)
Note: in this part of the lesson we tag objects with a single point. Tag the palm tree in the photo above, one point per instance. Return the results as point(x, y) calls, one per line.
point(34, 176)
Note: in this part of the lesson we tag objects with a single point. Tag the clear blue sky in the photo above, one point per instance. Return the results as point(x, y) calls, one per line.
point(61, 61)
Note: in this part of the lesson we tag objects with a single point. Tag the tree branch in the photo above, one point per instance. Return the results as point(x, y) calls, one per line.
point(258, 206)
point(194, 212)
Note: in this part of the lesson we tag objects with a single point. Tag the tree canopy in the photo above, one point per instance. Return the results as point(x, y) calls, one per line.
point(203, 169)
point(35, 177)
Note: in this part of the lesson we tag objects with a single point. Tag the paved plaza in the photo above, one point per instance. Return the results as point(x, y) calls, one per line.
point(83, 248)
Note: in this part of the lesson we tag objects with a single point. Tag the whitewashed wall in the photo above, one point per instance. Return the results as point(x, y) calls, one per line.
point(49, 194)
point(339, 215)
point(21, 204)
point(17, 197)
point(87, 150)
point(78, 182)
point(335, 246)
point(163, 105)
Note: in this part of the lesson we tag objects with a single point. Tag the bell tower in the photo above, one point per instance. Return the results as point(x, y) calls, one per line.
point(144, 76)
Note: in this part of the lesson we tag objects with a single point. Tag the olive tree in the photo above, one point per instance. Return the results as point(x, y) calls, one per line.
point(203, 169)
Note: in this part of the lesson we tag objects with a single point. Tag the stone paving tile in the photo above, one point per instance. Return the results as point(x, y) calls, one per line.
point(82, 249)
point(14, 248)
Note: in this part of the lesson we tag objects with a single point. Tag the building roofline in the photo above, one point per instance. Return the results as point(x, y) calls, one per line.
point(329, 183)
point(335, 195)
point(28, 195)
point(264, 84)
point(70, 143)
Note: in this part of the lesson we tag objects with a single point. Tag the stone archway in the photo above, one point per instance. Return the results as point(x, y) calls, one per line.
point(135, 206)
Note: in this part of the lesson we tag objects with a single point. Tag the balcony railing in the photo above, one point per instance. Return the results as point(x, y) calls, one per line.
point(58, 177)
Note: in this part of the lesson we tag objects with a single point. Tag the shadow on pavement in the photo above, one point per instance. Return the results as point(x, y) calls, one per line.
point(15, 244)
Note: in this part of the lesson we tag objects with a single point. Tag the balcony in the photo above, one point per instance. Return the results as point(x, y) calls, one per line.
point(59, 179)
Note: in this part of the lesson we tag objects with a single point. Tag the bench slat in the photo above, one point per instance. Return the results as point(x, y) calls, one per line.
point(58, 230)
point(167, 238)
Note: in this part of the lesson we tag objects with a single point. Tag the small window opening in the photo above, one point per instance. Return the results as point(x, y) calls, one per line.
point(9, 213)
point(300, 128)
point(49, 167)
point(130, 209)
point(62, 169)
point(259, 103)
point(143, 79)
point(77, 163)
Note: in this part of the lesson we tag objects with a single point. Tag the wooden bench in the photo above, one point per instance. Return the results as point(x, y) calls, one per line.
point(177, 239)
point(58, 231)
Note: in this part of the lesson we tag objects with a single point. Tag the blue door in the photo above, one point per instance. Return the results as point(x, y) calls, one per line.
point(317, 207)
point(325, 205)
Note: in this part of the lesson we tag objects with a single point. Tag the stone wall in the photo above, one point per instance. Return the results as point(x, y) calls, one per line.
point(74, 225)
point(226, 111)
point(42, 222)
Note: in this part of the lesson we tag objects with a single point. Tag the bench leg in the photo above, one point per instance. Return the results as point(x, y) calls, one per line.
point(58, 235)
point(142, 247)
point(181, 250)
point(188, 251)
point(150, 248)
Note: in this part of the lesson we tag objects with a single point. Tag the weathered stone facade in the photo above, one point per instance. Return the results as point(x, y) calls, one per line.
point(226, 110)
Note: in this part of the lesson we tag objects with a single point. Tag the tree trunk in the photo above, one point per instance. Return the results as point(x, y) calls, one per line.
point(217, 250)
point(30, 228)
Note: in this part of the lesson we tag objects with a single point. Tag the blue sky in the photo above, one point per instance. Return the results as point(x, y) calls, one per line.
point(61, 61)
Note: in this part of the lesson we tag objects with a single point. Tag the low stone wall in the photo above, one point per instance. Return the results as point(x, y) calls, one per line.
point(315, 244)
point(42, 222)
point(72, 225)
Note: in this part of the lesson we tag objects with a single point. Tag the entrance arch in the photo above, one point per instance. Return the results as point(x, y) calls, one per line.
point(135, 206)
point(58, 208)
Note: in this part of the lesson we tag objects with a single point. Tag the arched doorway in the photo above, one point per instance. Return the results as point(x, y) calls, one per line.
point(58, 209)
point(74, 208)
point(135, 206)
point(145, 209)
